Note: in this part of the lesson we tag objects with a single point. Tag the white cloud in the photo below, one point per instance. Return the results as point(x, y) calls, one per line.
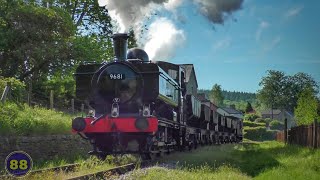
point(262, 26)
point(293, 12)
point(163, 39)
point(222, 44)
point(275, 41)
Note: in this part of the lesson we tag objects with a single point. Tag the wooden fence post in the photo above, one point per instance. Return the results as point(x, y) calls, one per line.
point(285, 130)
point(29, 94)
point(82, 109)
point(51, 99)
point(72, 105)
point(5, 93)
point(315, 133)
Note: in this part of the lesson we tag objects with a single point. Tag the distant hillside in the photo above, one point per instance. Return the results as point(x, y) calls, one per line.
point(233, 95)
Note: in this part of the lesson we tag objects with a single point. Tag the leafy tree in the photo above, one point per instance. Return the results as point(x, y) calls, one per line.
point(273, 86)
point(35, 39)
point(306, 110)
point(132, 42)
point(248, 108)
point(282, 91)
point(88, 17)
point(216, 95)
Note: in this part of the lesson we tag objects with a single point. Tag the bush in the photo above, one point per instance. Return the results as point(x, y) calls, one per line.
point(250, 117)
point(275, 124)
point(25, 120)
point(267, 120)
point(253, 124)
point(260, 120)
point(259, 133)
point(18, 90)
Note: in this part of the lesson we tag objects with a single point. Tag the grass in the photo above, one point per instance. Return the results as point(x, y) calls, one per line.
point(258, 160)
point(87, 165)
point(24, 120)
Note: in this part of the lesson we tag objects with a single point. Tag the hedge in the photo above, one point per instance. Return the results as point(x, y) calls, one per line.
point(259, 133)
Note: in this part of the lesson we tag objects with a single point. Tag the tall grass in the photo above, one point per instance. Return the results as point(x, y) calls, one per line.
point(25, 120)
point(258, 160)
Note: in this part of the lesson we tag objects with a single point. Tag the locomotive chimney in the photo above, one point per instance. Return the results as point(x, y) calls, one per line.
point(120, 46)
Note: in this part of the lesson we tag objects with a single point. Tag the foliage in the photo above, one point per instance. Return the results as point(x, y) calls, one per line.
point(281, 91)
point(267, 120)
point(88, 17)
point(253, 124)
point(239, 105)
point(250, 117)
point(248, 107)
point(233, 96)
point(260, 120)
point(277, 125)
point(306, 111)
point(259, 133)
point(17, 87)
point(34, 39)
point(26, 120)
point(216, 95)
point(42, 42)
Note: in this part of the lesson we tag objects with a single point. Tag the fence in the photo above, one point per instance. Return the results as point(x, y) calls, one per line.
point(49, 101)
point(306, 135)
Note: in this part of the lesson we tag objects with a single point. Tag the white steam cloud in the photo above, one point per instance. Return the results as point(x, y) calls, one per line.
point(163, 39)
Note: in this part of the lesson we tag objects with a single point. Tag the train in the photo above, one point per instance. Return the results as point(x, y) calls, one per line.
point(142, 106)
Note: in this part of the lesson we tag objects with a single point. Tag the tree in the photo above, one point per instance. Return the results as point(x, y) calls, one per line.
point(273, 89)
point(281, 91)
point(307, 107)
point(216, 95)
point(34, 39)
point(248, 108)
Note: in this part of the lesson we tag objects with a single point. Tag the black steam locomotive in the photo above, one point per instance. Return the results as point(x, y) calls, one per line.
point(140, 106)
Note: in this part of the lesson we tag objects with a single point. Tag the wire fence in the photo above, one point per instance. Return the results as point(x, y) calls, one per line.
point(41, 99)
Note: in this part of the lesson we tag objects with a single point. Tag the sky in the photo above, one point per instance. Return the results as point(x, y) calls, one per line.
point(230, 42)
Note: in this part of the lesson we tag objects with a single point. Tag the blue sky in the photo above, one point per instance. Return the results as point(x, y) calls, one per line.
point(279, 35)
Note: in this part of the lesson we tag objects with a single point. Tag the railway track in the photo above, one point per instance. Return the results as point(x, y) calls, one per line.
point(64, 168)
point(105, 174)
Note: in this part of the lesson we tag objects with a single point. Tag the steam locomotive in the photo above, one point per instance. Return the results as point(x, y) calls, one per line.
point(142, 106)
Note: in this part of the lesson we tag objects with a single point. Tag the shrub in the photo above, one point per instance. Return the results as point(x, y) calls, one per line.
point(275, 124)
point(259, 133)
point(17, 87)
point(250, 117)
point(260, 120)
point(267, 120)
point(253, 124)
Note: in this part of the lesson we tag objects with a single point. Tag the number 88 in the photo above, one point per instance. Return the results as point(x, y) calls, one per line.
point(23, 164)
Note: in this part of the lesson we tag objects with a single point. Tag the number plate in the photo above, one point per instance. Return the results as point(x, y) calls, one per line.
point(116, 76)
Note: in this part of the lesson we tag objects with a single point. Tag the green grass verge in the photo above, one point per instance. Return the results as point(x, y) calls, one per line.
point(264, 160)
point(24, 120)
